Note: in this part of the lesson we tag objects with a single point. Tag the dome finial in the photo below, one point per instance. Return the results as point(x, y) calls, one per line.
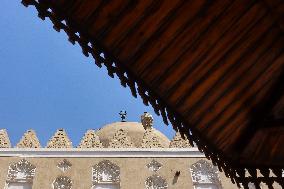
point(147, 120)
point(123, 115)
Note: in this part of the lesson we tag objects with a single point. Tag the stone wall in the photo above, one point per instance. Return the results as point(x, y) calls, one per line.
point(133, 171)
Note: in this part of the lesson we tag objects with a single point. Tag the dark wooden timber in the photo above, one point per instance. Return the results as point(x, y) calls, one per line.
point(213, 69)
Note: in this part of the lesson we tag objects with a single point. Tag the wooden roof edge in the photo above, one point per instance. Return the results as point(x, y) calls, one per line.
point(230, 168)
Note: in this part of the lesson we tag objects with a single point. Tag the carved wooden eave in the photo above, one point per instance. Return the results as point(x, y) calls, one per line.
point(213, 69)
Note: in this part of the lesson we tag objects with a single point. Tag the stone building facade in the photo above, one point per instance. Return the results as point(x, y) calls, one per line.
point(121, 155)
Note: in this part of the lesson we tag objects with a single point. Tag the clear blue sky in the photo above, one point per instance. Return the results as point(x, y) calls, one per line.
point(47, 83)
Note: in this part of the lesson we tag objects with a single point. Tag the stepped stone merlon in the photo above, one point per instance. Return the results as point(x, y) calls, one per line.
point(179, 142)
point(90, 140)
point(4, 139)
point(150, 140)
point(29, 140)
point(59, 140)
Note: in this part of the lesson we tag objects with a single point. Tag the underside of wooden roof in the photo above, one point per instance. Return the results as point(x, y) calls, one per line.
point(214, 69)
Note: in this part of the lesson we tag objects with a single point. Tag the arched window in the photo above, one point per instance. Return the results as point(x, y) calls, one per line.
point(62, 182)
point(205, 175)
point(156, 182)
point(20, 175)
point(106, 175)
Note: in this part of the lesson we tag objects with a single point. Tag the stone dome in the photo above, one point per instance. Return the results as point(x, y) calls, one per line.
point(135, 131)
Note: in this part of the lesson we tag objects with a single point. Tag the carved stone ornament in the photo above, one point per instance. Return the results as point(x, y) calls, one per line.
point(106, 172)
point(179, 142)
point(150, 140)
point(22, 171)
point(59, 140)
point(4, 139)
point(90, 140)
point(62, 182)
point(203, 172)
point(29, 140)
point(147, 120)
point(154, 166)
point(156, 182)
point(120, 140)
point(64, 165)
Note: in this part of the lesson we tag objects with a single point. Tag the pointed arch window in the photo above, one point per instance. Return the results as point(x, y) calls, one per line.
point(204, 175)
point(20, 175)
point(106, 175)
point(156, 182)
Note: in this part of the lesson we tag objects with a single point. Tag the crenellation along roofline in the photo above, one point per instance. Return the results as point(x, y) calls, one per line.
point(104, 152)
point(115, 135)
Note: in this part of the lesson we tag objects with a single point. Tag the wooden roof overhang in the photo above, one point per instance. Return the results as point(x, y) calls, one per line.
point(214, 69)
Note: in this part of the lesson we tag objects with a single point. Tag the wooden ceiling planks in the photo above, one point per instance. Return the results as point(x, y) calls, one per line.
point(125, 23)
point(216, 62)
point(234, 75)
point(83, 10)
point(161, 42)
point(211, 37)
point(262, 140)
point(154, 23)
point(236, 95)
point(182, 40)
point(276, 8)
point(209, 67)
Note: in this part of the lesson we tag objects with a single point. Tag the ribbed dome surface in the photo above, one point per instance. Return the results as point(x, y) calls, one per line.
point(135, 132)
